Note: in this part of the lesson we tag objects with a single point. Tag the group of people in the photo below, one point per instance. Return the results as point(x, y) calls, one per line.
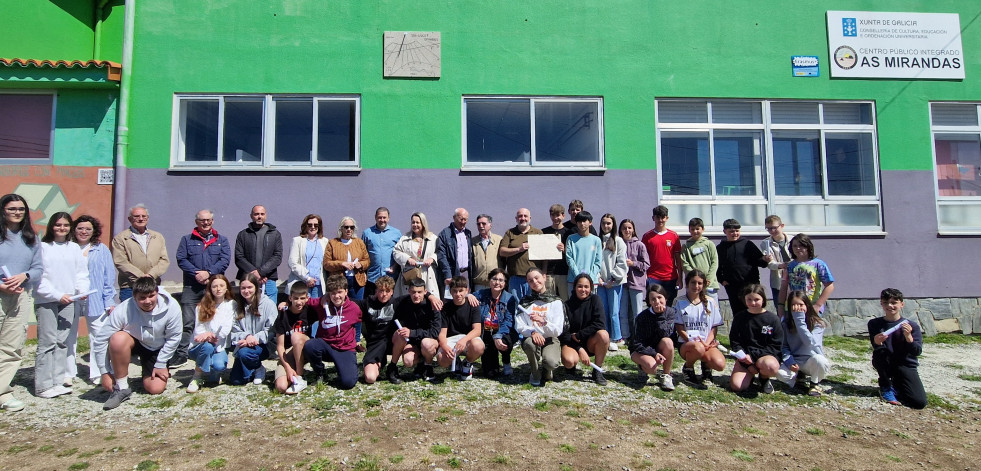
point(451, 299)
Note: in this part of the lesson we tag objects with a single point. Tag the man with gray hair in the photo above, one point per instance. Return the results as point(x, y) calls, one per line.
point(200, 254)
point(454, 255)
point(138, 251)
point(485, 245)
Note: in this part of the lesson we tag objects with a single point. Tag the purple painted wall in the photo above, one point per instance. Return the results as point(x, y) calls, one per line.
point(910, 257)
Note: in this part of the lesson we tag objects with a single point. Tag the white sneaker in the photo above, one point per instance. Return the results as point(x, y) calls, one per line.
point(507, 370)
point(259, 375)
point(466, 372)
point(49, 393)
point(614, 347)
point(194, 385)
point(667, 382)
point(299, 384)
point(62, 390)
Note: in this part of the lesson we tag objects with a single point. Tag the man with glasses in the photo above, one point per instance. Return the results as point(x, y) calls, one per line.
point(454, 254)
point(484, 246)
point(259, 250)
point(201, 253)
point(138, 251)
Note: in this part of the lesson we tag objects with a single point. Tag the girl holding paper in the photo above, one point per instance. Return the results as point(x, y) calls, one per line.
point(86, 232)
point(756, 338)
point(696, 325)
point(66, 275)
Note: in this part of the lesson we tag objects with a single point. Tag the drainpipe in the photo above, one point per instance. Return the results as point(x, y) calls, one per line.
point(122, 121)
point(97, 43)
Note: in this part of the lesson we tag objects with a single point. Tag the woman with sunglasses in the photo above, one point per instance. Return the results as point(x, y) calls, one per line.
point(306, 258)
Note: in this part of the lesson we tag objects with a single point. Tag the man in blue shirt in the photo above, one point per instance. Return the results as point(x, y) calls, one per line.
point(380, 240)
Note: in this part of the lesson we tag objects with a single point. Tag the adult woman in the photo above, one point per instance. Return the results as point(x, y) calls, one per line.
point(213, 319)
point(613, 275)
point(306, 259)
point(584, 333)
point(66, 274)
point(86, 232)
point(251, 332)
point(638, 261)
point(497, 308)
point(347, 255)
point(415, 252)
point(20, 256)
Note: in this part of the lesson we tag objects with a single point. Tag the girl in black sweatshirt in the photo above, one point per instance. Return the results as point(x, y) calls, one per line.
point(755, 340)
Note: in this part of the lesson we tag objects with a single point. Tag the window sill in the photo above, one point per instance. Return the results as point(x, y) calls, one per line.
point(525, 169)
point(257, 168)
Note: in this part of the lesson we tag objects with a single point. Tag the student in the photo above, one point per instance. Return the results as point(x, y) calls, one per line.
point(739, 260)
point(539, 320)
point(584, 331)
point(415, 342)
point(637, 263)
point(776, 252)
point(699, 252)
point(758, 335)
point(213, 319)
point(894, 354)
point(497, 308)
point(293, 328)
point(148, 325)
point(612, 276)
point(378, 310)
point(461, 330)
point(557, 271)
point(651, 344)
point(583, 251)
point(696, 325)
point(335, 338)
point(251, 332)
point(803, 344)
point(809, 274)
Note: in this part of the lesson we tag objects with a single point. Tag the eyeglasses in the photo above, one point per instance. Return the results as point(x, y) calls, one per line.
point(348, 227)
point(15, 209)
point(772, 228)
point(497, 280)
point(83, 229)
point(313, 226)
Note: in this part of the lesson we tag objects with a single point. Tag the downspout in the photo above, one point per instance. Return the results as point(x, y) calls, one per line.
point(122, 121)
point(97, 43)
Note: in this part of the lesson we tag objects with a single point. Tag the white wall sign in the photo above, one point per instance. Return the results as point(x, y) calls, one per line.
point(869, 44)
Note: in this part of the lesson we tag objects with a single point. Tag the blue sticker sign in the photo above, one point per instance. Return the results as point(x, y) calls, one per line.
point(805, 66)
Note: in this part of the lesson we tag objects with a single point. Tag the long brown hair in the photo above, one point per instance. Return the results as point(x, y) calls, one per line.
point(702, 295)
point(254, 303)
point(208, 304)
point(811, 317)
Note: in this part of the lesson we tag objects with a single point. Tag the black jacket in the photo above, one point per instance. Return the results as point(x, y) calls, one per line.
point(272, 252)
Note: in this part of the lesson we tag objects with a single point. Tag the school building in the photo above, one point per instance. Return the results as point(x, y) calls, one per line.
point(856, 121)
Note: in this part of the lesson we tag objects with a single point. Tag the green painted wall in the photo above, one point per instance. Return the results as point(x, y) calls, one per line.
point(630, 52)
point(85, 127)
point(47, 29)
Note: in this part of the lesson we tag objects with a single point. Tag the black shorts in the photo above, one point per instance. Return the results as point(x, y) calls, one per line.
point(147, 357)
point(577, 345)
point(377, 352)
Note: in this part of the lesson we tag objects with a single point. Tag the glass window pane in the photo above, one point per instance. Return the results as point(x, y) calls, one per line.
point(243, 131)
point(801, 215)
point(746, 214)
point(738, 169)
point(954, 114)
point(25, 126)
point(200, 119)
point(335, 131)
point(682, 112)
point(735, 112)
point(567, 132)
point(498, 130)
point(960, 215)
point(797, 163)
point(958, 164)
point(851, 170)
point(294, 130)
point(848, 113)
point(685, 166)
point(853, 215)
point(794, 112)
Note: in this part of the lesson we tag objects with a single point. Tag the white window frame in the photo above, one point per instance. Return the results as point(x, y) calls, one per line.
point(768, 196)
point(533, 163)
point(267, 160)
point(953, 201)
point(51, 130)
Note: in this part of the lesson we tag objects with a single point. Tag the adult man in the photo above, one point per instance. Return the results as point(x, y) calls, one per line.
point(200, 254)
point(138, 251)
point(454, 254)
point(149, 326)
point(258, 250)
point(514, 251)
point(664, 247)
point(485, 246)
point(380, 239)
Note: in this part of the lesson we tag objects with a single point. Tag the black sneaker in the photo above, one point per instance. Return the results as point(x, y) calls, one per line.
point(692, 379)
point(574, 372)
point(428, 373)
point(117, 397)
point(706, 374)
point(177, 361)
point(766, 386)
point(598, 378)
point(392, 372)
point(419, 372)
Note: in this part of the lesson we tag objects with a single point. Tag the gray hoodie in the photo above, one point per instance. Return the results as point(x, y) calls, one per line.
point(158, 330)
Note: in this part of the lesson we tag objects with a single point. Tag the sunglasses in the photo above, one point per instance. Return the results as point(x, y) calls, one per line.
point(348, 227)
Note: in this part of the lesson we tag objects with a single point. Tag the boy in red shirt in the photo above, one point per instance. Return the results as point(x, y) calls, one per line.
point(664, 248)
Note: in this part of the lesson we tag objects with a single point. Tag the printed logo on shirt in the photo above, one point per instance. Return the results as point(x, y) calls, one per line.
point(767, 330)
point(668, 242)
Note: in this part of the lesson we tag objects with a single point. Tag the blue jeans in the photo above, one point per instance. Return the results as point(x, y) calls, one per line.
point(318, 351)
point(211, 360)
point(355, 293)
point(247, 360)
point(125, 293)
point(315, 292)
point(611, 305)
point(270, 290)
point(518, 286)
point(631, 303)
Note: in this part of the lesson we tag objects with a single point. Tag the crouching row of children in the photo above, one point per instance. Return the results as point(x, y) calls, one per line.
point(765, 347)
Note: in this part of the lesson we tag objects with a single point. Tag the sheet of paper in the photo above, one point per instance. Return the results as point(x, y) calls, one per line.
point(597, 368)
point(6, 272)
point(544, 247)
point(82, 295)
point(739, 355)
point(894, 328)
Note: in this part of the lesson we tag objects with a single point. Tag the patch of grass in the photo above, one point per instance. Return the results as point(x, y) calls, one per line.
point(854, 345)
point(541, 406)
point(894, 459)
point(814, 431)
point(46, 448)
point(428, 394)
point(660, 433)
point(622, 362)
point(79, 466)
point(440, 449)
point(442, 419)
point(572, 413)
point(954, 366)
point(754, 431)
point(367, 463)
point(196, 400)
point(594, 446)
point(196, 436)
point(644, 463)
point(322, 464)
point(845, 431)
point(68, 452)
point(938, 402)
point(567, 448)
point(328, 444)
point(537, 425)
point(90, 453)
point(900, 434)
point(566, 467)
point(154, 435)
point(396, 459)
point(952, 339)
point(742, 455)
point(369, 403)
point(147, 465)
point(542, 436)
point(454, 462)
point(969, 377)
point(501, 459)
point(289, 432)
point(158, 402)
point(372, 413)
point(584, 424)
point(216, 463)
point(110, 437)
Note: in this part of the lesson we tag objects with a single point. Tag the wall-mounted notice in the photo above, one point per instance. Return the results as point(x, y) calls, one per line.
point(868, 44)
point(805, 66)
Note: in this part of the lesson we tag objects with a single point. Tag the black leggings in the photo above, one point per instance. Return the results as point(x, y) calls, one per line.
point(905, 379)
point(489, 359)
